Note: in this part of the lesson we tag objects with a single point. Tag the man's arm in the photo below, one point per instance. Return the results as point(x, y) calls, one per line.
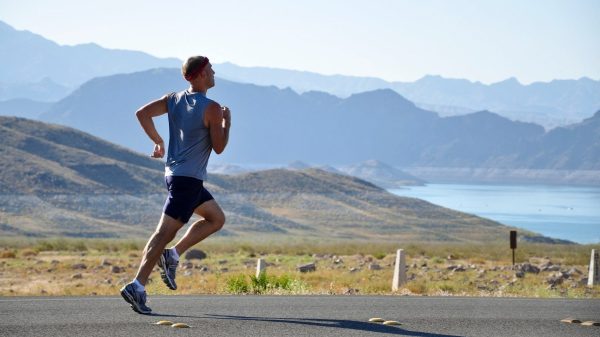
point(145, 115)
point(218, 120)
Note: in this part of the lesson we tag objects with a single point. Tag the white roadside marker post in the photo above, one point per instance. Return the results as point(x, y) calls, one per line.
point(260, 267)
point(594, 275)
point(399, 270)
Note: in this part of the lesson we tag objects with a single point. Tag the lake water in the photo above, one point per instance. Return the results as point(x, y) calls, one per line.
point(570, 213)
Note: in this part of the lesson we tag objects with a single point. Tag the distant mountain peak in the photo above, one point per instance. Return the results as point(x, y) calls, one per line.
point(381, 95)
point(438, 79)
point(511, 81)
point(28, 57)
point(381, 174)
point(314, 93)
point(89, 45)
point(483, 114)
point(4, 26)
point(430, 78)
point(373, 162)
point(298, 165)
point(593, 119)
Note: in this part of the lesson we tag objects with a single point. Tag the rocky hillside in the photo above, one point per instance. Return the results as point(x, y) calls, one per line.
point(42, 159)
point(58, 181)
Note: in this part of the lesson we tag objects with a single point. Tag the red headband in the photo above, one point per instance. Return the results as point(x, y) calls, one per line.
point(197, 71)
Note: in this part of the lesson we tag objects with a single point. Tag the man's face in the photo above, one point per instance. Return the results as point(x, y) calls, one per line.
point(210, 73)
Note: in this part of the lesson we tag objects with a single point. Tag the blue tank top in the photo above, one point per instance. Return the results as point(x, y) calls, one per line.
point(189, 139)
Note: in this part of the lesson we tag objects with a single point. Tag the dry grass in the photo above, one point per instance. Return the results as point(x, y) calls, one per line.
point(48, 267)
point(7, 254)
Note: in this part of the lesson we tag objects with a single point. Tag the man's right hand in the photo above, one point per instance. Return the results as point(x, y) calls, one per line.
point(226, 117)
point(145, 115)
point(159, 150)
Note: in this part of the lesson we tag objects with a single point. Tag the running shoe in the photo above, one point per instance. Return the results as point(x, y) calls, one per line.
point(137, 299)
point(168, 268)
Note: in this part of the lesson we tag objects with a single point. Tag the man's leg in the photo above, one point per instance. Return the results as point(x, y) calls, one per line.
point(214, 219)
point(134, 292)
point(165, 232)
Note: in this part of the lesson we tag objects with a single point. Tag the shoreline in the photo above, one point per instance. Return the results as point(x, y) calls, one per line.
point(505, 176)
point(562, 212)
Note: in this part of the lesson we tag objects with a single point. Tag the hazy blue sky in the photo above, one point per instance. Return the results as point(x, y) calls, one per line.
point(479, 40)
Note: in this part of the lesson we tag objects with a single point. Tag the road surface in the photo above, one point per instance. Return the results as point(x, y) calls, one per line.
point(264, 316)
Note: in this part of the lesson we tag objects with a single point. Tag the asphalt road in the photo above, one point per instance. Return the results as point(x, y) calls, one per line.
point(297, 316)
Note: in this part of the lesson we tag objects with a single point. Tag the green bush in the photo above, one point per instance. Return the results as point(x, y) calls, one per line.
point(379, 256)
point(237, 285)
point(62, 244)
point(437, 259)
point(258, 285)
point(447, 287)
point(282, 282)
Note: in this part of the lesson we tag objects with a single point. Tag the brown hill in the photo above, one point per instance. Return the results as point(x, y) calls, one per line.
point(57, 181)
point(330, 205)
point(43, 158)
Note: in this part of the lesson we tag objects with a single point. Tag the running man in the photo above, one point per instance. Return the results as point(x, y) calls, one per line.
point(197, 125)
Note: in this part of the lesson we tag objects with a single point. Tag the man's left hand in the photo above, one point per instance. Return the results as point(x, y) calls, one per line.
point(159, 150)
point(226, 117)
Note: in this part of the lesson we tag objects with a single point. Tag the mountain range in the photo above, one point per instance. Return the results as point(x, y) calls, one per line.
point(38, 69)
point(58, 181)
point(272, 125)
point(275, 126)
point(551, 104)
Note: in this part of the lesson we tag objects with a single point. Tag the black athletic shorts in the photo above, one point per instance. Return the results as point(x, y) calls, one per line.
point(185, 194)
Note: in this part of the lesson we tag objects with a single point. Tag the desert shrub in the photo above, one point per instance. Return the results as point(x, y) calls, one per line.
point(61, 244)
point(417, 287)
point(28, 252)
point(237, 285)
point(437, 259)
point(262, 284)
point(446, 287)
point(7, 254)
point(379, 256)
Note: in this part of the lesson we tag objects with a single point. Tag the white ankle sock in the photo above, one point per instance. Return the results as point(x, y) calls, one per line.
point(138, 286)
point(175, 255)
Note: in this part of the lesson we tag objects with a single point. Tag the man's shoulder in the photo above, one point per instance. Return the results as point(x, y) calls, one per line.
point(175, 94)
point(212, 104)
point(212, 112)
